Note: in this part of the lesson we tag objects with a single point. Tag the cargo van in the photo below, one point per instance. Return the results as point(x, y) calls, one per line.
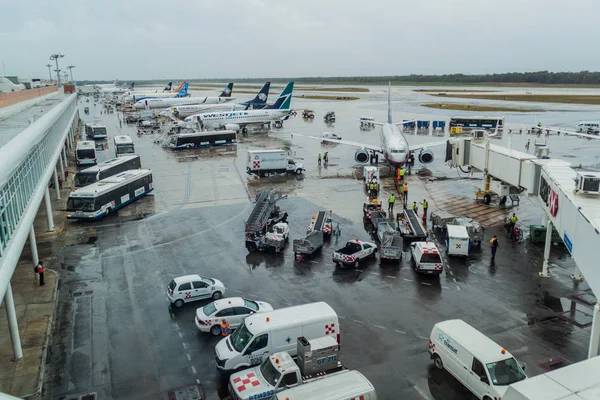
point(264, 334)
point(348, 385)
point(475, 360)
point(588, 127)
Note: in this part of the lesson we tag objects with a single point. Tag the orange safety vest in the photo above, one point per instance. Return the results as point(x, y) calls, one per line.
point(40, 270)
point(406, 187)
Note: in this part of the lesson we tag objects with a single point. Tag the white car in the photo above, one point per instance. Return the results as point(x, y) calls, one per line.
point(188, 288)
point(233, 310)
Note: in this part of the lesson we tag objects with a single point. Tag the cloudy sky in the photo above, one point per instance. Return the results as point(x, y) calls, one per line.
point(151, 39)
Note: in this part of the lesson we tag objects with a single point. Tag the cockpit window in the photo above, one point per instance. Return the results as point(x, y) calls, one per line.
point(397, 151)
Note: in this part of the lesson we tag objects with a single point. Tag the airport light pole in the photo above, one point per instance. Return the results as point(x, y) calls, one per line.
point(55, 57)
point(49, 71)
point(70, 68)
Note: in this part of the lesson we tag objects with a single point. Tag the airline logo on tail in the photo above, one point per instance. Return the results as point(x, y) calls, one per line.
point(132, 85)
point(168, 87)
point(285, 98)
point(183, 91)
point(180, 86)
point(227, 91)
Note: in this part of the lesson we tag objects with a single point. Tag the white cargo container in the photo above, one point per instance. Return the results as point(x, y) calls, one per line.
point(265, 162)
point(458, 242)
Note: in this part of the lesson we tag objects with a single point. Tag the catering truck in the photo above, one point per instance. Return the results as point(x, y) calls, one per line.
point(316, 359)
point(267, 162)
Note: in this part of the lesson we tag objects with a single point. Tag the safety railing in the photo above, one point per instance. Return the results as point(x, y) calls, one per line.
point(24, 163)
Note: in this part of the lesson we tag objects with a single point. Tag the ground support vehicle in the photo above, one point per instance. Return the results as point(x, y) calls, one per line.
point(390, 241)
point(426, 258)
point(267, 162)
point(316, 359)
point(458, 242)
point(439, 219)
point(329, 117)
point(354, 252)
point(86, 110)
point(308, 114)
point(345, 385)
point(474, 229)
point(308, 245)
point(330, 136)
point(410, 225)
point(370, 208)
point(265, 214)
point(323, 222)
point(367, 121)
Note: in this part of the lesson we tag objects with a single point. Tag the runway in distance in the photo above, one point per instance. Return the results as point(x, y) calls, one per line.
point(150, 103)
point(393, 144)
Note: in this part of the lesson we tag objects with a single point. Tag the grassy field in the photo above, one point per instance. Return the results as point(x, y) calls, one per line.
point(537, 98)
point(480, 108)
point(334, 89)
point(325, 97)
point(454, 90)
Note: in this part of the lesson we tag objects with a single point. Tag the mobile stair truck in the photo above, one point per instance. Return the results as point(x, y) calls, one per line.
point(317, 358)
point(265, 214)
point(410, 225)
point(390, 241)
point(270, 162)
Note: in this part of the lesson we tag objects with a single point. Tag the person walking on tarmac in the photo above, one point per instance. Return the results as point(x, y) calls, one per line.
point(425, 207)
point(494, 246)
point(405, 193)
point(40, 271)
point(512, 221)
point(325, 158)
point(319, 159)
point(415, 208)
point(402, 174)
point(372, 189)
point(225, 328)
point(391, 202)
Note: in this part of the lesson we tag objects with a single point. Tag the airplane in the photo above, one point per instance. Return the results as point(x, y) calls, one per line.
point(393, 144)
point(239, 120)
point(181, 92)
point(539, 129)
point(149, 103)
point(116, 89)
point(128, 95)
point(106, 85)
point(188, 111)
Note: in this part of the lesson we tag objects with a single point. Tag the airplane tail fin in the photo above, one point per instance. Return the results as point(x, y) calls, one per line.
point(284, 100)
point(262, 96)
point(115, 82)
point(389, 103)
point(132, 85)
point(180, 86)
point(227, 91)
point(168, 87)
point(183, 92)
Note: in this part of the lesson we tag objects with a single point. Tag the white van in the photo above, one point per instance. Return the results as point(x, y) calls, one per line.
point(485, 368)
point(347, 385)
point(264, 334)
point(426, 259)
point(587, 126)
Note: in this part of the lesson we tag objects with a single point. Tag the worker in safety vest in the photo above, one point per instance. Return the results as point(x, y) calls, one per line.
point(375, 201)
point(415, 208)
point(402, 174)
point(225, 328)
point(319, 159)
point(391, 202)
point(494, 246)
point(425, 205)
point(372, 189)
point(405, 193)
point(512, 221)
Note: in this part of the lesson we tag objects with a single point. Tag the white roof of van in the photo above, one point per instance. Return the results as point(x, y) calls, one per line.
point(578, 381)
point(307, 313)
point(342, 385)
point(457, 231)
point(481, 346)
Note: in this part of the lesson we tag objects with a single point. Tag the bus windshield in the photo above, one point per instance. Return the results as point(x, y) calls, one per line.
point(125, 148)
point(80, 204)
point(84, 179)
point(86, 153)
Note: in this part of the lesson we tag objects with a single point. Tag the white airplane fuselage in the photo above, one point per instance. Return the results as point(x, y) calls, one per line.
point(191, 111)
point(394, 145)
point(247, 117)
point(168, 102)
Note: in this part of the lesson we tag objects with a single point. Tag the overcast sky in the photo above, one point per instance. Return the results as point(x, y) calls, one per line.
point(151, 39)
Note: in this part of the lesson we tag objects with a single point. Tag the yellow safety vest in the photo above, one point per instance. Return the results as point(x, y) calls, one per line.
point(371, 186)
point(513, 219)
point(401, 171)
point(392, 199)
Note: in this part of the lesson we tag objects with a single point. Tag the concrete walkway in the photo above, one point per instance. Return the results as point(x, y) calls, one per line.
point(35, 305)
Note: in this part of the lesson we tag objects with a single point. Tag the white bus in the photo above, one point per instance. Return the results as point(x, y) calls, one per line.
point(95, 131)
point(85, 153)
point(123, 145)
point(106, 169)
point(477, 122)
point(202, 139)
point(108, 195)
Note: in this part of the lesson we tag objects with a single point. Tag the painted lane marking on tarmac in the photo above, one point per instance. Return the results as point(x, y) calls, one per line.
point(172, 316)
point(422, 337)
point(445, 287)
point(176, 325)
point(390, 276)
point(379, 326)
point(358, 322)
point(269, 299)
point(422, 393)
point(454, 279)
point(314, 262)
point(340, 317)
point(408, 280)
point(194, 370)
point(180, 335)
point(426, 283)
point(252, 295)
point(237, 291)
point(458, 288)
point(188, 356)
point(184, 345)
point(402, 332)
point(374, 273)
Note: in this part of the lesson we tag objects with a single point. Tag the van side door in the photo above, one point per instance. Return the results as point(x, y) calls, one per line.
point(477, 379)
point(258, 350)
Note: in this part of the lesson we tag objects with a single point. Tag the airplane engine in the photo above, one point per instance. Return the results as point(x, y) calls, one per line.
point(361, 156)
point(425, 156)
point(232, 127)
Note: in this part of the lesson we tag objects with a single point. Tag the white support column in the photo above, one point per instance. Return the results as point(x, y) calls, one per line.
point(547, 246)
point(544, 219)
point(64, 153)
point(13, 326)
point(56, 185)
point(595, 333)
point(62, 168)
point(49, 216)
point(70, 138)
point(33, 245)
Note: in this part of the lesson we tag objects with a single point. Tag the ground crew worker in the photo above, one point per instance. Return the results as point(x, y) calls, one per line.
point(494, 246)
point(425, 207)
point(405, 193)
point(527, 145)
point(375, 201)
point(372, 189)
point(376, 188)
point(512, 222)
point(319, 159)
point(40, 271)
point(391, 202)
point(326, 158)
point(398, 174)
point(225, 328)
point(415, 208)
point(401, 175)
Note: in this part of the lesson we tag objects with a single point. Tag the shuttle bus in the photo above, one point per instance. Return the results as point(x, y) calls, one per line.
point(202, 139)
point(85, 153)
point(95, 131)
point(477, 122)
point(123, 145)
point(108, 195)
point(106, 169)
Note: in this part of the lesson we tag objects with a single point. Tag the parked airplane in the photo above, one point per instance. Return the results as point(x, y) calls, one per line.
point(181, 92)
point(149, 103)
point(117, 89)
point(188, 111)
point(393, 144)
point(239, 120)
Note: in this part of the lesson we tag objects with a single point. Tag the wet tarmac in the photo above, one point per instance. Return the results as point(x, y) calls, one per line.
point(116, 335)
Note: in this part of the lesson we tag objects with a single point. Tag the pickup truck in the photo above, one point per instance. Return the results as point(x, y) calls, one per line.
point(354, 252)
point(279, 371)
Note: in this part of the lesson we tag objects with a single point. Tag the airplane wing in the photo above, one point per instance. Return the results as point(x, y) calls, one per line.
point(346, 142)
point(567, 133)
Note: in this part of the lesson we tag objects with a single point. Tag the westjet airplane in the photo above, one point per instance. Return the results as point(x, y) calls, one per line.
point(187, 112)
point(150, 103)
point(393, 144)
point(239, 120)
